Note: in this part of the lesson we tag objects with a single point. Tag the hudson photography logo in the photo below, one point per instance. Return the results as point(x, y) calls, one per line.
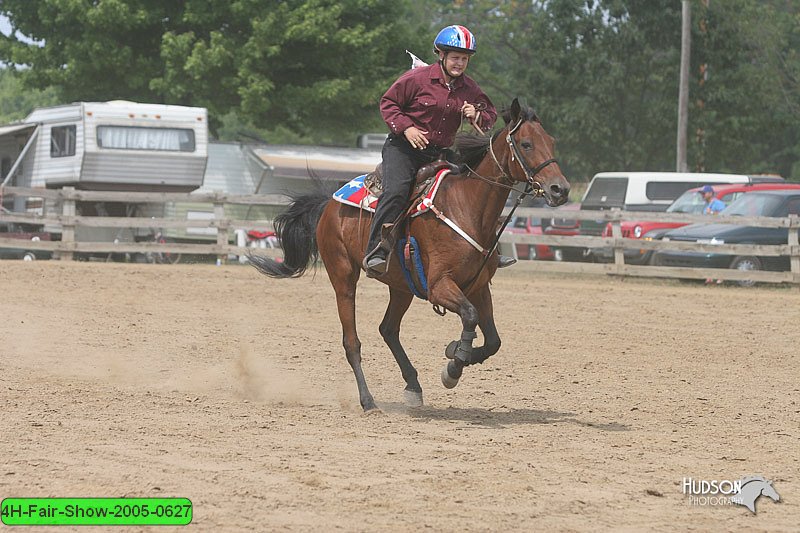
point(744, 491)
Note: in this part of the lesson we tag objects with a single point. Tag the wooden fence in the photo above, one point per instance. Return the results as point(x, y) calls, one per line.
point(618, 244)
point(68, 220)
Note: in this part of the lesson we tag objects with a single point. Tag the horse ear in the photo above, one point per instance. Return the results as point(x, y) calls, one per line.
point(515, 110)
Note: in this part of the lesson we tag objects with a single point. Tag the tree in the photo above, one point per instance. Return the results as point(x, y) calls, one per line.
point(751, 100)
point(16, 102)
point(602, 75)
point(317, 67)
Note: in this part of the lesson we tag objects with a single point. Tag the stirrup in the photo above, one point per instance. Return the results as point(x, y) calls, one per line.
point(505, 261)
point(380, 263)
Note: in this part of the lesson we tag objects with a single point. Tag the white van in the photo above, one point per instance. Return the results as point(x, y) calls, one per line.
point(648, 191)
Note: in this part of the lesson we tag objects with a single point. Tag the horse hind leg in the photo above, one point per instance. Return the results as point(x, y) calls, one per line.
point(344, 277)
point(399, 303)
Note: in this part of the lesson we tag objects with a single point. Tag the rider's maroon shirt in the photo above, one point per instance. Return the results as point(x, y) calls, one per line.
point(421, 98)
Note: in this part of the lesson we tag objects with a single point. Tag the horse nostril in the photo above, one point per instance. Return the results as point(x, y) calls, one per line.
point(555, 190)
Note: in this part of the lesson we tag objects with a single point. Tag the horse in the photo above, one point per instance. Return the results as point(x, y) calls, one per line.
point(458, 272)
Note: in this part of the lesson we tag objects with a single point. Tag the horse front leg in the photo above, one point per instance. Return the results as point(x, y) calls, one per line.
point(447, 294)
point(399, 303)
point(482, 299)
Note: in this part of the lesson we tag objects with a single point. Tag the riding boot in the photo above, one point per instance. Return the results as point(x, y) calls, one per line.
point(377, 258)
point(399, 166)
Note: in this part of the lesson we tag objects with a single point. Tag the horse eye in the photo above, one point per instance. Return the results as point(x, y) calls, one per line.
point(527, 145)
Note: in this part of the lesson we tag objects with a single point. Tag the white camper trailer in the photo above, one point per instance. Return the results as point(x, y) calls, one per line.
point(115, 145)
point(111, 146)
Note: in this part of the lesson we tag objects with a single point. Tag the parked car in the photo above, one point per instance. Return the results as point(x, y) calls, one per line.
point(690, 202)
point(530, 226)
point(763, 203)
point(648, 191)
point(10, 230)
point(561, 224)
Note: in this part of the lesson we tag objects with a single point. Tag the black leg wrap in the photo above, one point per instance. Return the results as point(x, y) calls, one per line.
point(464, 351)
point(479, 355)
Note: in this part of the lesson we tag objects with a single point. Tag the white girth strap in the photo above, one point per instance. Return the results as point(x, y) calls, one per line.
point(429, 204)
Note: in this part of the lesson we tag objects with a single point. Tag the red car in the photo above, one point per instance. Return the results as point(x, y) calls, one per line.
point(561, 225)
point(689, 202)
point(530, 226)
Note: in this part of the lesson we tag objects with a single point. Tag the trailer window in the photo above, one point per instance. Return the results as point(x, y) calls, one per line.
point(138, 138)
point(62, 141)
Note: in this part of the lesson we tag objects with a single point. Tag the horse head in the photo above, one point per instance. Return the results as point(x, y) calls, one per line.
point(529, 155)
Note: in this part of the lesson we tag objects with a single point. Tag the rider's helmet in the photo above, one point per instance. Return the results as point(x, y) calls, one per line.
point(455, 39)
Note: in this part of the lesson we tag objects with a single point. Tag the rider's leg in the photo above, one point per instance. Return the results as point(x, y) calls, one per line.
point(399, 168)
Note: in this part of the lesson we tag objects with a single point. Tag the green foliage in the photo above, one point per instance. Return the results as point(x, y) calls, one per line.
point(751, 100)
point(16, 102)
point(316, 67)
point(602, 74)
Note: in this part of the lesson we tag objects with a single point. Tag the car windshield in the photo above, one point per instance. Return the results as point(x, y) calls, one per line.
point(688, 202)
point(755, 205)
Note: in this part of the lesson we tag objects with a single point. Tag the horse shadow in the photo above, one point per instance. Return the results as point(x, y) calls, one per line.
point(497, 419)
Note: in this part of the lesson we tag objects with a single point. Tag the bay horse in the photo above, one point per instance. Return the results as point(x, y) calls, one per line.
point(458, 273)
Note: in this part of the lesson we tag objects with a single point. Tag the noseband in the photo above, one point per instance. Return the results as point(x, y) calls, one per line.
point(530, 174)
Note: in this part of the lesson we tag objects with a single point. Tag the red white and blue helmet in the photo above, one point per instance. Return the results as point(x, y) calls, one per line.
point(455, 39)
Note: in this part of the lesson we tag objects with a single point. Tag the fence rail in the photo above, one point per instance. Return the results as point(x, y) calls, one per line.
point(67, 220)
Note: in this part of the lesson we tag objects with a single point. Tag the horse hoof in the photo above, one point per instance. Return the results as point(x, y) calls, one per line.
point(372, 411)
point(450, 351)
point(412, 399)
point(447, 380)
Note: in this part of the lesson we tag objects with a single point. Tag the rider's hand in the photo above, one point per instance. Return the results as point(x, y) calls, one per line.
point(416, 137)
point(470, 112)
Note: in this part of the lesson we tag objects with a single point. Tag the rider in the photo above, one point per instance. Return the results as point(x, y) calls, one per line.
point(424, 109)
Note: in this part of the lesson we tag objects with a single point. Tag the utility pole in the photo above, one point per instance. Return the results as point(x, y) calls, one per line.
point(683, 92)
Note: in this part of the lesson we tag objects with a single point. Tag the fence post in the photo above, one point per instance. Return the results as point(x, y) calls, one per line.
point(616, 232)
point(794, 258)
point(68, 225)
point(222, 227)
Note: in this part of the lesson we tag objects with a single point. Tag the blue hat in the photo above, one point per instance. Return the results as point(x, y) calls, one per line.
point(706, 188)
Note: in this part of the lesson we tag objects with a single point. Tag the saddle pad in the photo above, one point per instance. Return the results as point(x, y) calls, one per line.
point(354, 193)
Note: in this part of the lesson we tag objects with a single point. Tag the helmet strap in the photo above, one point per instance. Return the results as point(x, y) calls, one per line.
point(442, 59)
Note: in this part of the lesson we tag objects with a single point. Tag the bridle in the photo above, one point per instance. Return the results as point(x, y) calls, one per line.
point(532, 187)
point(530, 174)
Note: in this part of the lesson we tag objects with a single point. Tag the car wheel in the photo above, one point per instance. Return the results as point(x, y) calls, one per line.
point(532, 255)
point(29, 256)
point(746, 262)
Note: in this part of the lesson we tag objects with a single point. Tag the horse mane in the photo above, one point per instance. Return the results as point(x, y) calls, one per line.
point(471, 148)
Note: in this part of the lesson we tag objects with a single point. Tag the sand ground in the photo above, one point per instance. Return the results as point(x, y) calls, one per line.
point(231, 389)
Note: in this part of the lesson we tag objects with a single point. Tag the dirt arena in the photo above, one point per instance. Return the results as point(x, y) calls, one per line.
point(231, 389)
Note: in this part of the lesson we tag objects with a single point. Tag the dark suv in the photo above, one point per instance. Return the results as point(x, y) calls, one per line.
point(9, 230)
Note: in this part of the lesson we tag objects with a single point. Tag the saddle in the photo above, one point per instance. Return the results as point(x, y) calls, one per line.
point(373, 182)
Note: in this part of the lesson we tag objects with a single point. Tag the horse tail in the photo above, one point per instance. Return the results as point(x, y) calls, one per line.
point(296, 229)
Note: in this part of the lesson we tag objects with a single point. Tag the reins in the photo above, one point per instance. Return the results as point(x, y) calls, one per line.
point(531, 187)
